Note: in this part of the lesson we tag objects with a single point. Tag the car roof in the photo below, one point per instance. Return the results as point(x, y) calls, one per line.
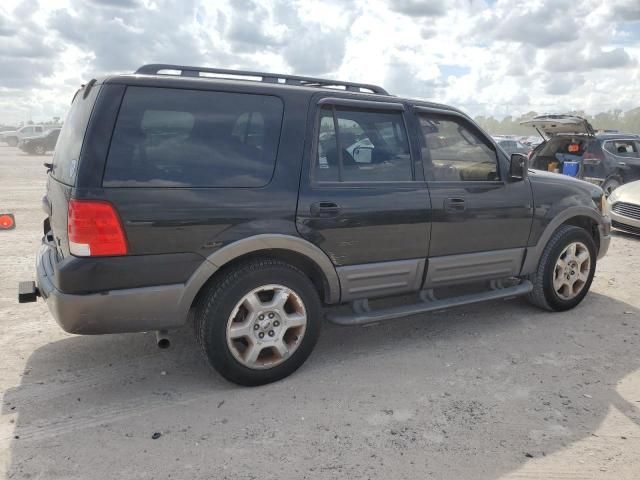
point(613, 136)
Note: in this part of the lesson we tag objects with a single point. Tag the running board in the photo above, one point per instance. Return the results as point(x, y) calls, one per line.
point(363, 315)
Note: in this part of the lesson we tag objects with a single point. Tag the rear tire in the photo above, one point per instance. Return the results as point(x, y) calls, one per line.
point(12, 142)
point(611, 183)
point(250, 337)
point(563, 278)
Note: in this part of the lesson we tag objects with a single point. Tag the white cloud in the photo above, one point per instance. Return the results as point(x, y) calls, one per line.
point(502, 57)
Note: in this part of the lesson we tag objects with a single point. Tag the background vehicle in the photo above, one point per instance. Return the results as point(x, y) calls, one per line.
point(624, 204)
point(248, 205)
point(607, 159)
point(40, 144)
point(12, 137)
point(512, 146)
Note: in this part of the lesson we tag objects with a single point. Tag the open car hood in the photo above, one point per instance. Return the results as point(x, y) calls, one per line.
point(552, 125)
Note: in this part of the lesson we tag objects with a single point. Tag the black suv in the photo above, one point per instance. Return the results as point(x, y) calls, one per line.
point(608, 159)
point(250, 203)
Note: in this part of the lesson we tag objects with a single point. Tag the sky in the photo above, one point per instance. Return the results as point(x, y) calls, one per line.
point(487, 57)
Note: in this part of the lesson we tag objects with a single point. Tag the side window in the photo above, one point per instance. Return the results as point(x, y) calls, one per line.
point(189, 138)
point(249, 129)
point(455, 152)
point(622, 148)
point(327, 165)
point(361, 145)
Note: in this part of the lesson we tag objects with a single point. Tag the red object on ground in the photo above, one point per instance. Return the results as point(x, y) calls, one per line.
point(7, 221)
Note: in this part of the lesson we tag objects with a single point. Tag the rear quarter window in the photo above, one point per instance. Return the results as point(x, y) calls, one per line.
point(69, 143)
point(190, 138)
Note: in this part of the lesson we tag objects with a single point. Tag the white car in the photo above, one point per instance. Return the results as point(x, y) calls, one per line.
point(624, 207)
point(12, 137)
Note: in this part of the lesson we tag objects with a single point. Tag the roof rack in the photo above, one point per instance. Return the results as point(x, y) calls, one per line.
point(184, 71)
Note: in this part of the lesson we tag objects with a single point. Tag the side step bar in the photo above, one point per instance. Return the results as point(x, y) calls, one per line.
point(363, 315)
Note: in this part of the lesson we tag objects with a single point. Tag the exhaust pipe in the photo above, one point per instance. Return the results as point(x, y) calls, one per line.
point(162, 339)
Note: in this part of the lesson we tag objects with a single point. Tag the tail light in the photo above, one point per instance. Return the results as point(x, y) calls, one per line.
point(590, 158)
point(95, 229)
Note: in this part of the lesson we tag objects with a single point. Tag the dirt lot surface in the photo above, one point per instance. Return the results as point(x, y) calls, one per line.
point(493, 391)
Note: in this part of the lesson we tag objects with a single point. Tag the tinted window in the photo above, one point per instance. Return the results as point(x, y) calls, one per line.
point(69, 144)
point(622, 148)
point(455, 151)
point(369, 146)
point(189, 138)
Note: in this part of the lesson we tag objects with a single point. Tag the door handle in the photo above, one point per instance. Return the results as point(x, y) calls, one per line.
point(454, 204)
point(325, 209)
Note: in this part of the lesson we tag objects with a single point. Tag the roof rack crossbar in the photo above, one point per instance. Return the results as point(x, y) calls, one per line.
point(185, 71)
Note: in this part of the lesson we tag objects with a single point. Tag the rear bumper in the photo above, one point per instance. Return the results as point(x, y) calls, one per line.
point(114, 311)
point(593, 180)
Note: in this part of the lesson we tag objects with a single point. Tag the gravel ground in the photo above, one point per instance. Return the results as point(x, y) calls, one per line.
point(497, 390)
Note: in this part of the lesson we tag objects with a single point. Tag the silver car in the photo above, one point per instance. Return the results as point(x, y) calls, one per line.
point(624, 207)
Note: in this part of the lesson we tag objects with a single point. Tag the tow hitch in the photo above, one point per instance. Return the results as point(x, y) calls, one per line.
point(28, 292)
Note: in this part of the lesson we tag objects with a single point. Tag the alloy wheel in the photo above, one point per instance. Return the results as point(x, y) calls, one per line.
point(571, 271)
point(266, 326)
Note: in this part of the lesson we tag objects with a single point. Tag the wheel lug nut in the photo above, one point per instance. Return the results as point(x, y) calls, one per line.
point(271, 333)
point(256, 326)
point(261, 335)
point(276, 323)
point(261, 317)
point(271, 315)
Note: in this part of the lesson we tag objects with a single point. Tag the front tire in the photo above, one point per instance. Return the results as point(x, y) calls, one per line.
point(258, 322)
point(565, 270)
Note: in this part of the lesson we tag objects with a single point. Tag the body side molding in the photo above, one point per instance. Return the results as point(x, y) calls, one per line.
point(471, 267)
point(380, 278)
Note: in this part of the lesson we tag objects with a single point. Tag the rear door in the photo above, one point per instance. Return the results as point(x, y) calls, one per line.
point(363, 199)
point(624, 158)
point(480, 219)
point(551, 125)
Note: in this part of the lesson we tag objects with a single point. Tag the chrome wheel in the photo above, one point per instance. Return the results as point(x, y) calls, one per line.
point(39, 149)
point(266, 326)
point(572, 269)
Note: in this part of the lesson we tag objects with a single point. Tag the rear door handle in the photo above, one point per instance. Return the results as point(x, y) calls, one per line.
point(325, 209)
point(454, 204)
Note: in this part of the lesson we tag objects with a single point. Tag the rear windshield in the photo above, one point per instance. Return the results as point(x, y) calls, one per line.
point(191, 138)
point(69, 144)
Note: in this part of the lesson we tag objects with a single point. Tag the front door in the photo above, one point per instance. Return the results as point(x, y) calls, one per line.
point(481, 219)
point(363, 199)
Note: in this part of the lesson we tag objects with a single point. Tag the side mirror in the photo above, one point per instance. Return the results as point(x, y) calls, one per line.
point(518, 166)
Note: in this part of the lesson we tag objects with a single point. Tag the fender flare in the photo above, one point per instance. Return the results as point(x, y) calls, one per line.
point(253, 244)
point(535, 252)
